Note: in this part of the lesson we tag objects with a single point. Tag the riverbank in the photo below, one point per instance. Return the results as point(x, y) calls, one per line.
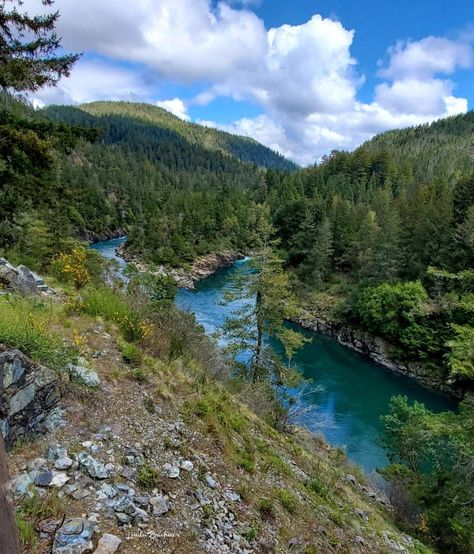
point(378, 350)
point(201, 268)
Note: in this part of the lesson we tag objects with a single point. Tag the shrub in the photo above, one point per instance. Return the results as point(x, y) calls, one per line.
point(148, 477)
point(72, 266)
point(130, 352)
point(288, 500)
point(319, 487)
point(265, 507)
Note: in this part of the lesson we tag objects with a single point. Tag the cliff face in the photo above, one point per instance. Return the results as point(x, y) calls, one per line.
point(378, 350)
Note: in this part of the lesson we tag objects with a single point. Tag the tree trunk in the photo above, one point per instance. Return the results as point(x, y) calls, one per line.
point(9, 539)
point(259, 351)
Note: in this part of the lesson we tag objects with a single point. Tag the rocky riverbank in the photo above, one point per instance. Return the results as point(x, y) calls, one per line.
point(378, 350)
point(202, 267)
point(110, 234)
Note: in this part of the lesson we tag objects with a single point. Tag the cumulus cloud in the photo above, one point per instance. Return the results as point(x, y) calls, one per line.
point(304, 77)
point(96, 80)
point(176, 106)
point(427, 57)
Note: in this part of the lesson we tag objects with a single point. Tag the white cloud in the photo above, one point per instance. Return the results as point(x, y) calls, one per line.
point(91, 80)
point(302, 76)
point(427, 57)
point(176, 106)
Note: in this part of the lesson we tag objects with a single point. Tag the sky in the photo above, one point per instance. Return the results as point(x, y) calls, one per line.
point(303, 77)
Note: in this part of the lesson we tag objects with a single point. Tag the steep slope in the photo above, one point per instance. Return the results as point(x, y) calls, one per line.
point(160, 453)
point(243, 148)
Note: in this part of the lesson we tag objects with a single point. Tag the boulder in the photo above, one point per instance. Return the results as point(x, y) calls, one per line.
point(21, 279)
point(28, 395)
point(74, 537)
point(108, 544)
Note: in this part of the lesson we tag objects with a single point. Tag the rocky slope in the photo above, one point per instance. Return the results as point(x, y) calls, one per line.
point(158, 456)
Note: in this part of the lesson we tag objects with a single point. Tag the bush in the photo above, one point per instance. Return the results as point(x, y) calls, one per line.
point(148, 477)
point(288, 500)
point(130, 352)
point(113, 306)
point(265, 507)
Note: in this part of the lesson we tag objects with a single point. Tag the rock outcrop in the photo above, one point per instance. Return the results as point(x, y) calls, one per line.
point(377, 349)
point(21, 280)
point(28, 395)
point(202, 267)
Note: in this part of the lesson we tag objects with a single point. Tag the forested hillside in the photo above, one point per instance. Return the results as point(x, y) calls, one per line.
point(382, 239)
point(176, 199)
point(443, 149)
point(243, 148)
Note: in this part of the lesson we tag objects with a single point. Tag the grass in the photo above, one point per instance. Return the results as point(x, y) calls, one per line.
point(148, 477)
point(25, 323)
point(33, 510)
point(266, 508)
point(288, 500)
point(112, 306)
point(131, 354)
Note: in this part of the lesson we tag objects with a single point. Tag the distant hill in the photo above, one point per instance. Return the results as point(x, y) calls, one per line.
point(442, 149)
point(244, 149)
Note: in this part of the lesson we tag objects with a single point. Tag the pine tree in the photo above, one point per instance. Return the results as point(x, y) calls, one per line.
point(28, 49)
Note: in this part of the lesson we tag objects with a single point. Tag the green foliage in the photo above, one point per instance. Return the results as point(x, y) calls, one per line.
point(31, 511)
point(319, 487)
point(130, 352)
point(461, 354)
point(32, 64)
point(266, 508)
point(391, 309)
point(288, 500)
point(24, 324)
point(148, 476)
point(432, 456)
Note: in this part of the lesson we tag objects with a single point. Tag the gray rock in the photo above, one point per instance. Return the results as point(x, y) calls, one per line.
point(187, 465)
point(128, 472)
point(211, 482)
point(80, 494)
point(95, 468)
point(124, 504)
point(160, 505)
point(21, 399)
point(201, 498)
point(171, 471)
point(59, 479)
point(122, 518)
point(106, 491)
point(231, 496)
point(74, 537)
point(43, 479)
point(140, 515)
point(22, 484)
point(108, 544)
point(55, 419)
point(63, 463)
point(84, 374)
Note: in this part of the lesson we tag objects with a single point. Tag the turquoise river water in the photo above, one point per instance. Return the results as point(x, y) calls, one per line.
point(356, 391)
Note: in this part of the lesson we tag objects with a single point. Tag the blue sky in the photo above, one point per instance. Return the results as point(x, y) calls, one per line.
point(301, 76)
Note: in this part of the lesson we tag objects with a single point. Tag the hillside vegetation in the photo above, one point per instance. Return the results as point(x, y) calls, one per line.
point(244, 149)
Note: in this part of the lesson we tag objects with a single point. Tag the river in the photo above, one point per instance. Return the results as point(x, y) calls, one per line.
point(356, 391)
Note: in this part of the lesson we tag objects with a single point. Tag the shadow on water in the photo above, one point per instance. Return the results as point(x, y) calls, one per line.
point(356, 390)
